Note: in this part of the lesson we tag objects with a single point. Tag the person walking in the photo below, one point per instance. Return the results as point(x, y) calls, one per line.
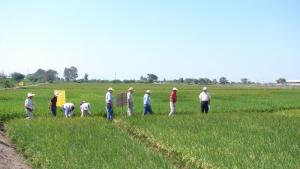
point(109, 104)
point(173, 99)
point(52, 106)
point(29, 106)
point(130, 101)
point(204, 98)
point(147, 103)
point(68, 109)
point(85, 109)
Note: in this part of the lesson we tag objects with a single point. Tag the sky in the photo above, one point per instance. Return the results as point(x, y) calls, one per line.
point(126, 39)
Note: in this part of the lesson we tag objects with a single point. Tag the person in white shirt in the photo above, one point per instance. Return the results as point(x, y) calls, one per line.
point(68, 109)
point(85, 109)
point(130, 101)
point(204, 99)
point(147, 103)
point(109, 99)
point(29, 107)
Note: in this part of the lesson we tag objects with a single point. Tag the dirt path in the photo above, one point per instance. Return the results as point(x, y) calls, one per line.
point(9, 158)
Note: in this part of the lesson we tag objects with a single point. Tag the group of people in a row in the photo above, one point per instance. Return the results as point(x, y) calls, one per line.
point(68, 108)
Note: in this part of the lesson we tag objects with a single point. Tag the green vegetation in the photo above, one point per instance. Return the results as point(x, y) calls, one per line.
point(80, 143)
point(239, 140)
point(248, 127)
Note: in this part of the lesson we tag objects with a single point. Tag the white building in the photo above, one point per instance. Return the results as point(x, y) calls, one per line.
point(293, 82)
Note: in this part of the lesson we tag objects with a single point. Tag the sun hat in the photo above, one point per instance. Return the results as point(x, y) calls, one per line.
point(130, 89)
point(56, 93)
point(30, 94)
point(110, 89)
point(174, 88)
point(148, 91)
point(204, 88)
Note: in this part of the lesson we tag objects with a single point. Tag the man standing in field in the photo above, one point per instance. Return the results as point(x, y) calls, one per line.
point(29, 105)
point(109, 104)
point(68, 109)
point(130, 101)
point(204, 98)
point(85, 109)
point(173, 98)
point(147, 103)
point(52, 106)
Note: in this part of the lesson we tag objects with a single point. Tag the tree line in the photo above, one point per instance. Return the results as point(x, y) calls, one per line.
point(71, 75)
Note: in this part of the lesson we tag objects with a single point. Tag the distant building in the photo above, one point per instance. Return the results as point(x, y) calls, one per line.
point(293, 82)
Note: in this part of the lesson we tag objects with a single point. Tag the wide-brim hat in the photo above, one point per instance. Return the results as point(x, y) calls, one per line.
point(148, 91)
point(56, 93)
point(130, 89)
point(175, 89)
point(110, 89)
point(30, 94)
point(204, 88)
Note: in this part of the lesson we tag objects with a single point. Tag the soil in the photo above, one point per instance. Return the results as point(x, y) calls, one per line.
point(9, 158)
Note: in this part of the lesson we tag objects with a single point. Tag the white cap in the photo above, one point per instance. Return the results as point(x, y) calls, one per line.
point(204, 88)
point(174, 88)
point(110, 89)
point(148, 91)
point(30, 94)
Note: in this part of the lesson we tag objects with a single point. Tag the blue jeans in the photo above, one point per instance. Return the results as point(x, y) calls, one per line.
point(147, 109)
point(109, 112)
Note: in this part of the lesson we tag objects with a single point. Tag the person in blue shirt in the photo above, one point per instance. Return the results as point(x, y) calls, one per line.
point(147, 103)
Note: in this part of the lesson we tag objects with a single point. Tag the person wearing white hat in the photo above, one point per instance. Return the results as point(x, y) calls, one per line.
point(68, 109)
point(85, 109)
point(52, 106)
point(130, 101)
point(173, 99)
point(204, 99)
point(147, 103)
point(29, 106)
point(109, 99)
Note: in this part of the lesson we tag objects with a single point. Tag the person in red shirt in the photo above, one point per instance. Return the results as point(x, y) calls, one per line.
point(173, 99)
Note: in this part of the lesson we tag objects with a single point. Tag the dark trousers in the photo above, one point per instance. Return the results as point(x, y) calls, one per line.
point(109, 112)
point(53, 110)
point(147, 109)
point(204, 106)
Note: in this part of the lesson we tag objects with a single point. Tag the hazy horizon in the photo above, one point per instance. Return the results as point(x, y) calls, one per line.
point(258, 40)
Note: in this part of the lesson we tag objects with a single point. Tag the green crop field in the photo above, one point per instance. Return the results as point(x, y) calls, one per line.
point(247, 127)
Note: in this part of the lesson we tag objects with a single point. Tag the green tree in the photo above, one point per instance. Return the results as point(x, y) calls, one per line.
point(71, 73)
point(215, 81)
point(17, 76)
point(86, 77)
point(244, 81)
point(51, 75)
point(223, 80)
point(152, 78)
point(281, 81)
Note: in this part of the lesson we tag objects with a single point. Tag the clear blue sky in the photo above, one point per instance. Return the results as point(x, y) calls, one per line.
point(256, 39)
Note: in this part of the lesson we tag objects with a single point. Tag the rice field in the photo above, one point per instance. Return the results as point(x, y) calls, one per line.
point(247, 127)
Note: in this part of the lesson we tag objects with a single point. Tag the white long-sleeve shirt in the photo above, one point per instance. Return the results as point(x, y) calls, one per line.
point(129, 97)
point(67, 107)
point(204, 96)
point(147, 99)
point(109, 98)
point(29, 103)
point(85, 107)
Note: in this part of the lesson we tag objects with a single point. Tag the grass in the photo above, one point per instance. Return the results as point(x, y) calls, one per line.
point(248, 127)
point(80, 143)
point(224, 99)
point(256, 140)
